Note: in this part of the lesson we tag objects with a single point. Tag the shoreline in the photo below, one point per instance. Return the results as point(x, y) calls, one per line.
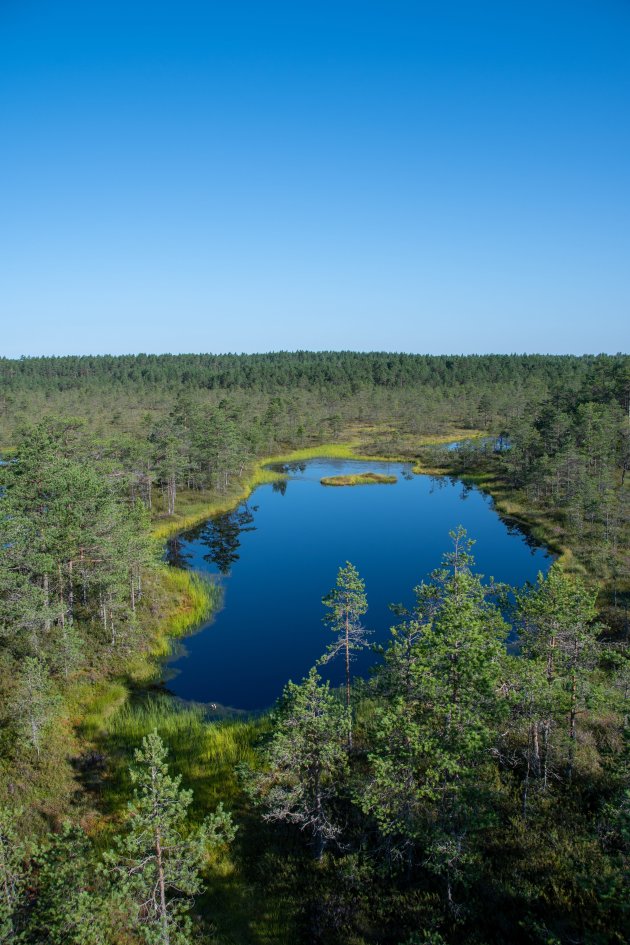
point(192, 597)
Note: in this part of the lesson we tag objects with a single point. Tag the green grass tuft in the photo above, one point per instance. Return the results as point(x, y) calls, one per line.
point(359, 479)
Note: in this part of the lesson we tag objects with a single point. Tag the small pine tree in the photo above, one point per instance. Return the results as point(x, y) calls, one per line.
point(157, 862)
point(347, 602)
point(306, 761)
point(13, 875)
point(442, 676)
point(34, 703)
point(559, 631)
point(70, 907)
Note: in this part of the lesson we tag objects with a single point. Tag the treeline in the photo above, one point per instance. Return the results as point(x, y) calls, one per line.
point(272, 372)
point(193, 422)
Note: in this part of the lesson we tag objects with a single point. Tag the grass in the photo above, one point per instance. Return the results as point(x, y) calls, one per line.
point(452, 437)
point(187, 600)
point(175, 602)
point(205, 753)
point(344, 450)
point(92, 704)
point(359, 479)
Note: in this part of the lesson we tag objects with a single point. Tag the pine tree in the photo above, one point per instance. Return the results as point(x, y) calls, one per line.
point(14, 874)
point(157, 861)
point(433, 732)
point(34, 703)
point(347, 602)
point(559, 630)
point(306, 762)
point(71, 906)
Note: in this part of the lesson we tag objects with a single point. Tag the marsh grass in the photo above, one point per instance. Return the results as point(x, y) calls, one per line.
point(195, 507)
point(191, 599)
point(359, 479)
point(205, 753)
point(175, 603)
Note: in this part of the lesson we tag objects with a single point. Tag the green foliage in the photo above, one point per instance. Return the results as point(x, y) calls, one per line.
point(346, 603)
point(33, 704)
point(305, 761)
point(72, 906)
point(157, 862)
point(14, 876)
point(442, 676)
point(560, 635)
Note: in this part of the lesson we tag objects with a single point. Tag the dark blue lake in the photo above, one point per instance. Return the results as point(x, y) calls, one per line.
point(279, 552)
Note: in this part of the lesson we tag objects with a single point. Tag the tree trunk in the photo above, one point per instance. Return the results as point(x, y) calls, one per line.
point(71, 591)
point(546, 739)
point(573, 712)
point(171, 493)
point(47, 600)
point(160, 869)
point(348, 681)
point(318, 838)
point(535, 749)
point(35, 735)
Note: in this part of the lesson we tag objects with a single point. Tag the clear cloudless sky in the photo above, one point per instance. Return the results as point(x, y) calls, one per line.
point(448, 176)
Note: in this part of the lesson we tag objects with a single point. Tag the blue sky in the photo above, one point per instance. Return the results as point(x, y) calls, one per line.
point(432, 177)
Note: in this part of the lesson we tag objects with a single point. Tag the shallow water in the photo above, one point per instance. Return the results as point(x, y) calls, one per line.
point(279, 552)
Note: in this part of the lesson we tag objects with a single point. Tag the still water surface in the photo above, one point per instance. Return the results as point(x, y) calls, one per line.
point(279, 552)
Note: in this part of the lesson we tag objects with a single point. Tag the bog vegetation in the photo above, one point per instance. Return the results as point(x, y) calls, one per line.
point(473, 790)
point(360, 479)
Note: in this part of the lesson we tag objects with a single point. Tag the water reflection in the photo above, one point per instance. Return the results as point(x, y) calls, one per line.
point(282, 552)
point(285, 469)
point(220, 536)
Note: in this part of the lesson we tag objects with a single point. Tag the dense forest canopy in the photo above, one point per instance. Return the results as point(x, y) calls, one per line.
point(312, 370)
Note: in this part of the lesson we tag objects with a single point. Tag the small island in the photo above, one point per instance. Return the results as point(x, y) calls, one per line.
point(360, 479)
